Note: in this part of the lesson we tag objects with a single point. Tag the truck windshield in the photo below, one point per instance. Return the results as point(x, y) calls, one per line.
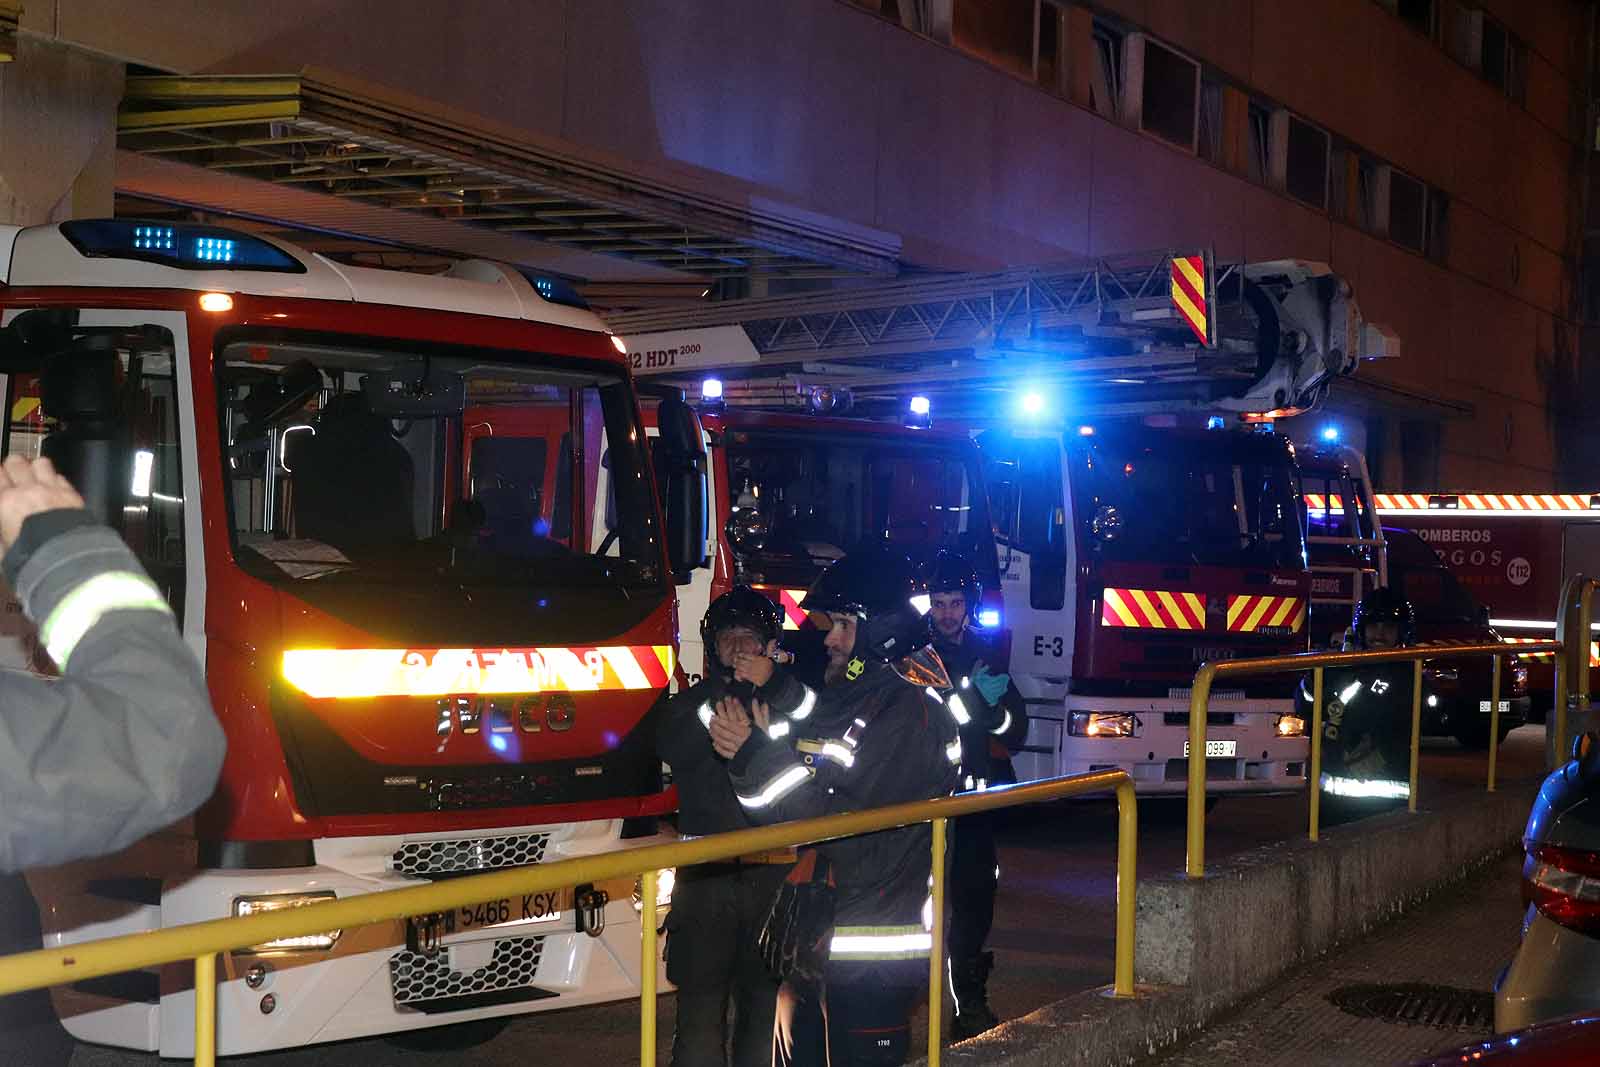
point(1185, 503)
point(367, 466)
point(824, 495)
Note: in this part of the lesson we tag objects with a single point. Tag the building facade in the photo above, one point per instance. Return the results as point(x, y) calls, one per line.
point(1434, 152)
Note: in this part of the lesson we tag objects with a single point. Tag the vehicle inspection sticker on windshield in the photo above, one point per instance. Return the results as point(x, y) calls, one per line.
point(1216, 749)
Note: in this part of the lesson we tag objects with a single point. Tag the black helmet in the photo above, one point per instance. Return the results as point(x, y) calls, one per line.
point(949, 572)
point(740, 606)
point(877, 587)
point(1384, 605)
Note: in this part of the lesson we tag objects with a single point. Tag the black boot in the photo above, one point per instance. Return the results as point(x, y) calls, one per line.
point(969, 984)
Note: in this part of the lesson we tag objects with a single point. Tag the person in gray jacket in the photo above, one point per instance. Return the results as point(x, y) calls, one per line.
point(123, 741)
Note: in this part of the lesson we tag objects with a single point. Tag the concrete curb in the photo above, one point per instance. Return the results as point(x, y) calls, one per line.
point(1253, 918)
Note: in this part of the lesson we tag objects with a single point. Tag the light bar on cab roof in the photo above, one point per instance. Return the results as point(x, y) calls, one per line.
point(353, 673)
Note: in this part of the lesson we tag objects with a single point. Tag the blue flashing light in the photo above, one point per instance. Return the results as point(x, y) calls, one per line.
point(498, 743)
point(920, 405)
point(184, 246)
point(1086, 430)
point(989, 618)
point(1330, 434)
point(1033, 404)
point(711, 389)
point(1216, 422)
point(556, 290)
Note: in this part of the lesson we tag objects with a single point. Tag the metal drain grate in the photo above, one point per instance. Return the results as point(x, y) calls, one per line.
point(1439, 1006)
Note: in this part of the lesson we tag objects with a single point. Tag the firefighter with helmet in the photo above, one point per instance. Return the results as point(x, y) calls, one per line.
point(993, 721)
point(850, 931)
point(1366, 715)
point(718, 908)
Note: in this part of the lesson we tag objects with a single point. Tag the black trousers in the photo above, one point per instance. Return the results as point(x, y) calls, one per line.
point(717, 912)
point(972, 881)
point(854, 1022)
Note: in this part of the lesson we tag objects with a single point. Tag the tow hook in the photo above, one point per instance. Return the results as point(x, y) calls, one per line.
point(589, 909)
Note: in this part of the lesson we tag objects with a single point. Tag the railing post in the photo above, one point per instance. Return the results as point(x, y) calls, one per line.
point(1494, 719)
point(1416, 729)
point(1127, 887)
point(647, 969)
point(1314, 780)
point(1199, 698)
point(205, 1010)
point(936, 949)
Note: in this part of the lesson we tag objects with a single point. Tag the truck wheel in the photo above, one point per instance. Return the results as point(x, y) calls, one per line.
point(1475, 736)
point(457, 1038)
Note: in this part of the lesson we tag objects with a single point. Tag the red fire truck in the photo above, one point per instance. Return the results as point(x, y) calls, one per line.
point(1133, 543)
point(1513, 552)
point(407, 523)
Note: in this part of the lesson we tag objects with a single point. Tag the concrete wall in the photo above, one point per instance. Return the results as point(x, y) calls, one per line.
point(821, 105)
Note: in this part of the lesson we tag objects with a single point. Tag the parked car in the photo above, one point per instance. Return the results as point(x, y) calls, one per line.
point(1573, 1042)
point(1556, 971)
point(1456, 691)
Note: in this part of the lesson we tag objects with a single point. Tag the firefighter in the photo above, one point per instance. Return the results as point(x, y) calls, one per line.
point(1366, 716)
point(718, 908)
point(122, 742)
point(849, 933)
point(993, 721)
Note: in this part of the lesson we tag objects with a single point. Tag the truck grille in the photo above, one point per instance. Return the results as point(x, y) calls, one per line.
point(419, 978)
point(441, 859)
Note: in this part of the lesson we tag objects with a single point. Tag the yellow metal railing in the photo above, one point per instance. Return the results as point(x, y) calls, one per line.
point(201, 942)
point(1317, 662)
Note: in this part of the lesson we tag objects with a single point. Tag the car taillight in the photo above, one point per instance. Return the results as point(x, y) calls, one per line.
point(1564, 884)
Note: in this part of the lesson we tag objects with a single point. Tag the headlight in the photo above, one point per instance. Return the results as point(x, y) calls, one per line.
point(666, 878)
point(258, 905)
point(1099, 724)
point(1290, 726)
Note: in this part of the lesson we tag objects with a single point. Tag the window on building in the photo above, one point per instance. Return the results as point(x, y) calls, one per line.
point(1048, 69)
point(998, 31)
point(1209, 143)
point(1306, 176)
point(1408, 211)
point(1260, 161)
point(1485, 45)
point(1371, 196)
point(1171, 91)
point(1418, 14)
point(1438, 225)
point(1105, 84)
point(1339, 183)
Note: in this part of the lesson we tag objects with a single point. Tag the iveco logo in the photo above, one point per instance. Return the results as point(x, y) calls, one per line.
point(504, 714)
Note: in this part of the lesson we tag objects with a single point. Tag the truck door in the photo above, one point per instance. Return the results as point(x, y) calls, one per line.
point(1033, 537)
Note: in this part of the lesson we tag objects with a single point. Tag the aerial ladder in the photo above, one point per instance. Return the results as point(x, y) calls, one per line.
point(1169, 331)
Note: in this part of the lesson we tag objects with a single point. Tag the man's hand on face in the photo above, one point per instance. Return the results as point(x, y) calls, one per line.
point(753, 667)
point(730, 727)
point(27, 488)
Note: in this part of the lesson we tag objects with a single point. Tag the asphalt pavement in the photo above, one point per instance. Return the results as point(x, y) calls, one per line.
point(1053, 929)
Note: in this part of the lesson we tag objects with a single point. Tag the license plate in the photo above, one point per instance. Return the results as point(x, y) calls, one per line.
point(1216, 749)
point(472, 923)
point(1505, 707)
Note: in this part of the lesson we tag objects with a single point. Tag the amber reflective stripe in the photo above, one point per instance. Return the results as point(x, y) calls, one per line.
point(1247, 613)
point(1153, 609)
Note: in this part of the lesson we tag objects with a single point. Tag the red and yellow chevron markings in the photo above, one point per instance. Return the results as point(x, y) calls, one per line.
point(381, 672)
point(1248, 613)
point(794, 616)
point(1153, 609)
point(1189, 294)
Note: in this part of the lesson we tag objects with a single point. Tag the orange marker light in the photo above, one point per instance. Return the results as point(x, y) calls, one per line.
point(216, 302)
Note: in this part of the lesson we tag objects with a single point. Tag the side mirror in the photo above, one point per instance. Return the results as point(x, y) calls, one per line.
point(746, 531)
point(680, 462)
point(1107, 523)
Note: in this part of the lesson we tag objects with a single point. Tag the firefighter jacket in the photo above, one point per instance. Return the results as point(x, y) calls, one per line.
point(870, 741)
point(990, 733)
point(1366, 730)
point(123, 742)
point(706, 801)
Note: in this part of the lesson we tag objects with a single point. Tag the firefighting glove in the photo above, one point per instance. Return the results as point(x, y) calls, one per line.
point(992, 686)
point(795, 939)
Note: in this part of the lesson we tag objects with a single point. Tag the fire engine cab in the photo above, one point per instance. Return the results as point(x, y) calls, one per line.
point(408, 525)
point(1130, 541)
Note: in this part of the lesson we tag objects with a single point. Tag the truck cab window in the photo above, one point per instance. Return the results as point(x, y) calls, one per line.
point(106, 415)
